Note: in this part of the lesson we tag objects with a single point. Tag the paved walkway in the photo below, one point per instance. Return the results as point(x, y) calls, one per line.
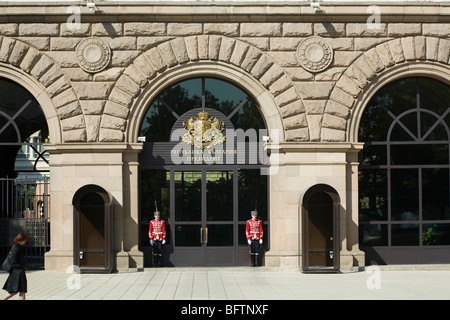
point(236, 284)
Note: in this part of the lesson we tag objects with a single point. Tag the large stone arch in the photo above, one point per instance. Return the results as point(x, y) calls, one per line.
point(228, 58)
point(386, 62)
point(44, 79)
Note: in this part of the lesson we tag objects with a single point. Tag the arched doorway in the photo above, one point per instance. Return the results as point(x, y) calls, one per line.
point(320, 229)
point(201, 163)
point(24, 172)
point(93, 221)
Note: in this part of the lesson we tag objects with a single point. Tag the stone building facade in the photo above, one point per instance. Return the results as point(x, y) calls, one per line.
point(312, 73)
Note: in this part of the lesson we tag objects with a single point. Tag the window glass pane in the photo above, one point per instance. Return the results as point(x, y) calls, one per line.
point(404, 194)
point(432, 128)
point(220, 235)
point(436, 234)
point(188, 235)
point(373, 235)
point(252, 187)
point(188, 195)
point(405, 234)
point(434, 95)
point(419, 154)
point(435, 194)
point(375, 123)
point(219, 195)
point(373, 155)
point(155, 186)
point(405, 129)
point(373, 199)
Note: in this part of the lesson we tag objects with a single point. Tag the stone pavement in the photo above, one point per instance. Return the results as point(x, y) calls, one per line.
point(236, 284)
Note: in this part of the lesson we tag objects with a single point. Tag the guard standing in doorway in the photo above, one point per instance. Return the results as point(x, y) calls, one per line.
point(157, 235)
point(254, 233)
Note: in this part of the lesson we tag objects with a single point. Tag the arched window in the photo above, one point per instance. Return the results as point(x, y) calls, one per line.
point(404, 173)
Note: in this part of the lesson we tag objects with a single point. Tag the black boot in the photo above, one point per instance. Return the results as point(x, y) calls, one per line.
point(256, 260)
point(159, 261)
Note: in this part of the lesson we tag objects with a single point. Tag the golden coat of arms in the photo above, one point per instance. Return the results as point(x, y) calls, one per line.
point(203, 131)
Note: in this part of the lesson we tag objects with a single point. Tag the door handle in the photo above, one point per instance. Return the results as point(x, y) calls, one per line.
point(81, 255)
point(206, 238)
point(201, 235)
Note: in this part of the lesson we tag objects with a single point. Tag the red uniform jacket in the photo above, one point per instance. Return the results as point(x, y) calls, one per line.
point(157, 230)
point(254, 230)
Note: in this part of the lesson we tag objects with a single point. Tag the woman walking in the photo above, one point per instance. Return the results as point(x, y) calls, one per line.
point(17, 280)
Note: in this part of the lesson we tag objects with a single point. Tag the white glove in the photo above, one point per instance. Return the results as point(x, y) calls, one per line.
point(164, 241)
point(260, 241)
point(151, 242)
point(249, 241)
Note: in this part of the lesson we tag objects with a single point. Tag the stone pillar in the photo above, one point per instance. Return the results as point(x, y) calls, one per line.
point(112, 166)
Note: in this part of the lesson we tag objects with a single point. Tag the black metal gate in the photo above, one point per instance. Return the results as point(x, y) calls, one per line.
point(24, 206)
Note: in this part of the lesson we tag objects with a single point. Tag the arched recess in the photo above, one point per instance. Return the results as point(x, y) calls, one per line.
point(93, 229)
point(43, 78)
point(320, 229)
point(222, 57)
point(420, 55)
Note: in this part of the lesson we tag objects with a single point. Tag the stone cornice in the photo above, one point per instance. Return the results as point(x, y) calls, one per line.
point(13, 11)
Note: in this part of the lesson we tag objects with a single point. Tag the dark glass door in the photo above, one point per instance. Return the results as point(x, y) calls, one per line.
point(220, 220)
point(204, 218)
point(188, 219)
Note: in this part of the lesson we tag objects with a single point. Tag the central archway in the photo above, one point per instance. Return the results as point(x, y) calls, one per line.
point(205, 204)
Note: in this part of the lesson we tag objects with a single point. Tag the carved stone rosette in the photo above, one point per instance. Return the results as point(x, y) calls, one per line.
point(314, 54)
point(93, 54)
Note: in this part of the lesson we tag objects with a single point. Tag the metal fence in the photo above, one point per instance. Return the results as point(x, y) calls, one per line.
point(24, 206)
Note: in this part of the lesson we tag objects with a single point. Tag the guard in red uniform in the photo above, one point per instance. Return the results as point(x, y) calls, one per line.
point(157, 236)
point(254, 233)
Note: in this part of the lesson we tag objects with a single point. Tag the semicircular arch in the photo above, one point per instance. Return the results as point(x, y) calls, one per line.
point(218, 56)
point(398, 58)
point(43, 78)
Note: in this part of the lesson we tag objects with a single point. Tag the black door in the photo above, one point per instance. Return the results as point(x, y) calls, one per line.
point(320, 228)
point(204, 222)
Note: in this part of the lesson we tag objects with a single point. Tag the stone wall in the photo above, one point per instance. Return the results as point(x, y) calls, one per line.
point(315, 104)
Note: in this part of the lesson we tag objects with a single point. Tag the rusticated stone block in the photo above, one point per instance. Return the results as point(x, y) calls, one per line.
point(192, 47)
point(78, 135)
point(39, 29)
point(226, 49)
point(116, 110)
point(18, 53)
point(41, 67)
point(226, 29)
point(144, 29)
point(396, 50)
point(6, 49)
point(261, 30)
point(293, 108)
point(179, 50)
point(155, 59)
point(331, 135)
point(444, 50)
point(184, 29)
point(330, 121)
point(111, 122)
point(295, 122)
point(261, 66)
point(110, 135)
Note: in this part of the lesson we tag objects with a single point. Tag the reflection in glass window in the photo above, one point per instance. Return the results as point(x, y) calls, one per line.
point(194, 93)
point(405, 166)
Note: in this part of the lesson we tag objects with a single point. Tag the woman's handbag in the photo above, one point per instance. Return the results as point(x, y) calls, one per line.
point(7, 265)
